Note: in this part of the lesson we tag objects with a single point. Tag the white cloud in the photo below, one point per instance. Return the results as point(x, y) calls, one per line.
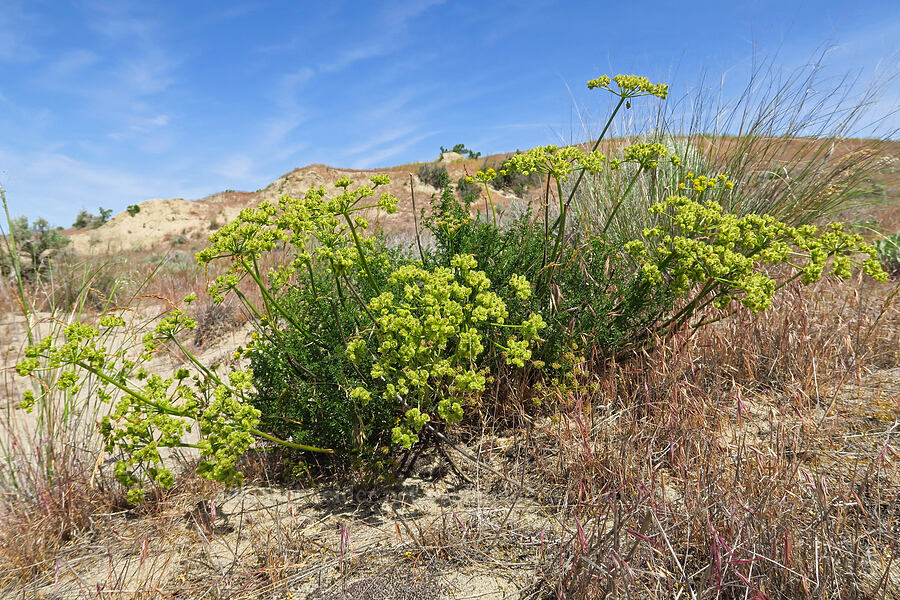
point(379, 158)
point(391, 26)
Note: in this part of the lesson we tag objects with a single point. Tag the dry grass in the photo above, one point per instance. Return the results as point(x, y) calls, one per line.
point(737, 463)
point(753, 459)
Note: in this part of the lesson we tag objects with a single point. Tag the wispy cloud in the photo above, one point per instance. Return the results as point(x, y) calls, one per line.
point(58, 185)
point(378, 140)
point(387, 34)
point(379, 158)
point(289, 114)
point(15, 22)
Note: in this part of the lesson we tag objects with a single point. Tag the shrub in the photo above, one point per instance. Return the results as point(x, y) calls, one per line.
point(105, 214)
point(87, 219)
point(35, 242)
point(888, 249)
point(133, 209)
point(467, 191)
point(358, 348)
point(83, 219)
point(585, 293)
point(461, 150)
point(434, 175)
point(514, 181)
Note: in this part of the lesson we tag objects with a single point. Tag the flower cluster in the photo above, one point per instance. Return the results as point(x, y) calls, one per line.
point(557, 162)
point(330, 224)
point(431, 328)
point(630, 86)
point(701, 183)
point(485, 176)
point(705, 245)
point(646, 155)
point(150, 412)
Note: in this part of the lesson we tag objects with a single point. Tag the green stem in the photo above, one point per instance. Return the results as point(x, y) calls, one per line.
point(14, 257)
point(183, 413)
point(269, 299)
point(131, 392)
point(487, 190)
point(412, 195)
point(362, 255)
point(690, 307)
point(557, 247)
point(595, 146)
point(546, 220)
point(288, 444)
point(621, 200)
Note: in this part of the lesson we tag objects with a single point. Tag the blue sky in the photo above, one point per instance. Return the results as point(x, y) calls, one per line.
point(108, 103)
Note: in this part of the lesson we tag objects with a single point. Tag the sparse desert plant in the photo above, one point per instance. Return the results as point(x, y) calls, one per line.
point(105, 214)
point(85, 284)
point(434, 175)
point(461, 150)
point(888, 249)
point(133, 209)
point(88, 219)
point(36, 243)
point(83, 219)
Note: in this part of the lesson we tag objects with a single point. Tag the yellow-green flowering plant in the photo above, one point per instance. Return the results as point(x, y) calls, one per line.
point(709, 256)
point(358, 347)
point(558, 164)
point(150, 413)
point(430, 331)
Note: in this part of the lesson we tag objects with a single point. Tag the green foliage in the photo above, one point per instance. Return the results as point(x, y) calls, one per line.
point(594, 300)
point(150, 412)
point(718, 257)
point(133, 209)
point(888, 253)
point(467, 191)
point(87, 219)
point(514, 181)
point(431, 330)
point(461, 150)
point(435, 175)
point(358, 348)
point(83, 219)
point(302, 386)
point(35, 242)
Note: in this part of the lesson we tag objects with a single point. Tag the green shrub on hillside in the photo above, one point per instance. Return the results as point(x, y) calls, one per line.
point(514, 181)
point(88, 219)
point(461, 150)
point(36, 243)
point(435, 175)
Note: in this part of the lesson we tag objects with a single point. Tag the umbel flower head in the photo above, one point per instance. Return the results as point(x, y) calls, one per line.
point(629, 86)
point(703, 244)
